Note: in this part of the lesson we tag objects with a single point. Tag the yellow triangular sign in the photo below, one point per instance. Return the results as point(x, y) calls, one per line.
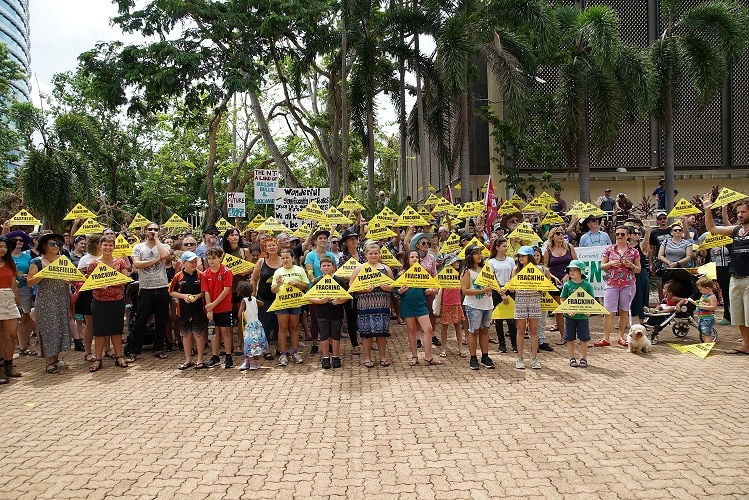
point(23, 218)
point(517, 200)
point(709, 270)
point(411, 217)
point(535, 205)
point(417, 277)
point(237, 265)
point(683, 207)
point(271, 224)
point(90, 226)
point(347, 268)
point(122, 248)
point(61, 269)
point(699, 350)
point(448, 277)
point(451, 244)
point(432, 199)
point(474, 241)
point(138, 222)
point(311, 212)
point(377, 230)
point(302, 231)
point(715, 240)
point(507, 208)
point(442, 205)
point(255, 223)
point(349, 203)
point(467, 210)
point(546, 198)
point(552, 218)
point(504, 311)
point(487, 277)
point(223, 224)
point(103, 276)
point(334, 216)
point(175, 222)
point(288, 297)
point(425, 214)
point(387, 258)
point(548, 303)
point(530, 278)
point(80, 212)
point(727, 196)
point(576, 209)
point(327, 288)
point(580, 303)
point(369, 276)
point(524, 232)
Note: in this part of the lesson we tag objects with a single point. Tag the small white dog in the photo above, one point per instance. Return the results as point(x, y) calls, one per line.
point(637, 339)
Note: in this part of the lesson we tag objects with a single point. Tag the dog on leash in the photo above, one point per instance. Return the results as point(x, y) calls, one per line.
point(637, 340)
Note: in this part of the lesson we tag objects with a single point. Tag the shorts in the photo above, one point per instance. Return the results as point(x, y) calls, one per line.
point(83, 302)
point(222, 319)
point(478, 318)
point(329, 328)
point(8, 307)
point(293, 311)
point(576, 328)
point(706, 325)
point(451, 314)
point(739, 293)
point(618, 299)
point(26, 295)
point(528, 305)
point(192, 326)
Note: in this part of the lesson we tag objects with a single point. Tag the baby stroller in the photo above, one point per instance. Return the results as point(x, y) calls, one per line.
point(683, 318)
point(131, 297)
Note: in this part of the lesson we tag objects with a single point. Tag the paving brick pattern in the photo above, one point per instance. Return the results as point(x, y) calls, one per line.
point(665, 425)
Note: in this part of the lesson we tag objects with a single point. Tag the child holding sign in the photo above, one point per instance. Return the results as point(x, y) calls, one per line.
point(288, 319)
point(329, 318)
point(527, 311)
point(577, 325)
point(478, 305)
point(452, 310)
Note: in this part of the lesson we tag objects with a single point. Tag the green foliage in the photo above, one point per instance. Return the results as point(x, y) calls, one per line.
point(9, 137)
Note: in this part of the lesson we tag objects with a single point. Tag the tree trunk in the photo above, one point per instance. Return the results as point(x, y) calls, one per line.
point(423, 163)
point(270, 142)
point(583, 155)
point(465, 150)
point(344, 102)
point(215, 124)
point(371, 147)
point(668, 151)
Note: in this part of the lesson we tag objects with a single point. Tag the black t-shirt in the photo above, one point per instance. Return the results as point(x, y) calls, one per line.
point(657, 237)
point(327, 310)
point(184, 282)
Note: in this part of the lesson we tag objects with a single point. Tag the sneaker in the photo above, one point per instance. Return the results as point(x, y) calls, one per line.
point(283, 360)
point(535, 364)
point(255, 365)
point(245, 366)
point(297, 358)
point(503, 349)
point(520, 364)
point(325, 363)
point(336, 362)
point(418, 343)
point(474, 363)
point(515, 350)
point(314, 350)
point(724, 322)
point(545, 347)
point(214, 361)
point(436, 342)
point(487, 362)
point(228, 362)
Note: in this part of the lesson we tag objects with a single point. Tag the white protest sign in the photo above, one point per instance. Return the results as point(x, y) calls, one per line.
point(291, 201)
point(266, 183)
point(235, 204)
point(591, 256)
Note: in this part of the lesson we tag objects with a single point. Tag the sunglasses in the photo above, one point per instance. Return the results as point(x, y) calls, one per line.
point(558, 233)
point(188, 244)
point(54, 244)
point(512, 221)
point(17, 239)
point(131, 240)
point(661, 218)
point(334, 242)
point(621, 234)
point(152, 230)
point(677, 230)
point(213, 234)
point(423, 243)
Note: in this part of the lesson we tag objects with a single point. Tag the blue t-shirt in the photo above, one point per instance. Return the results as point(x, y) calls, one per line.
point(23, 262)
point(314, 259)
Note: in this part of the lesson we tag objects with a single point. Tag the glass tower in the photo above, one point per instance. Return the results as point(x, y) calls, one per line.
point(14, 33)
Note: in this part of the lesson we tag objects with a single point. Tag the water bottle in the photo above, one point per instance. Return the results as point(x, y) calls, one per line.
point(211, 330)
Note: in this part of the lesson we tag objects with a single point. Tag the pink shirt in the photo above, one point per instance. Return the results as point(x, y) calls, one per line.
point(621, 276)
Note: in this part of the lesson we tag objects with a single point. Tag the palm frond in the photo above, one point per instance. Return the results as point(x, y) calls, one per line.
point(608, 107)
point(634, 72)
point(599, 28)
point(705, 66)
point(665, 55)
point(510, 75)
point(723, 22)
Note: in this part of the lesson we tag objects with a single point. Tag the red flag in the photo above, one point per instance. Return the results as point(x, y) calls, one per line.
point(448, 193)
point(490, 201)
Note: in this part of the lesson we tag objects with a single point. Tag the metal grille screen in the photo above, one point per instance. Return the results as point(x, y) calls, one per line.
point(740, 112)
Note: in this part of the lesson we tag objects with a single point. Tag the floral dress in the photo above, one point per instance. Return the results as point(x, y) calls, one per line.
point(373, 319)
point(52, 310)
point(255, 342)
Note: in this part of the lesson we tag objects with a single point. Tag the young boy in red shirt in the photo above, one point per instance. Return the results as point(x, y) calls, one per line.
point(216, 284)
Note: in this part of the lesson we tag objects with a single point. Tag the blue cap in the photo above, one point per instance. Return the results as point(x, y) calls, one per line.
point(188, 256)
point(525, 250)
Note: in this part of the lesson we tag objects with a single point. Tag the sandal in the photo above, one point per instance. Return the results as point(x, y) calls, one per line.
point(109, 354)
point(561, 342)
point(368, 363)
point(200, 366)
point(573, 363)
point(121, 364)
point(401, 321)
point(132, 358)
point(554, 329)
point(414, 361)
point(583, 363)
point(384, 363)
point(89, 357)
point(462, 354)
point(4, 380)
point(52, 368)
point(160, 355)
point(443, 354)
point(268, 356)
point(356, 351)
point(185, 366)
point(430, 362)
point(27, 352)
point(96, 366)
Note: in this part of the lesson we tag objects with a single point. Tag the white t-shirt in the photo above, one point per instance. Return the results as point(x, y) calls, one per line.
point(502, 269)
point(154, 276)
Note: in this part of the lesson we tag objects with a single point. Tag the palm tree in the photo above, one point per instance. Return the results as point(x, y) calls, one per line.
point(602, 81)
point(698, 46)
point(502, 34)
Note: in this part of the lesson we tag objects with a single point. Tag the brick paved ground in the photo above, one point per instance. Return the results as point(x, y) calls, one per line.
point(663, 425)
